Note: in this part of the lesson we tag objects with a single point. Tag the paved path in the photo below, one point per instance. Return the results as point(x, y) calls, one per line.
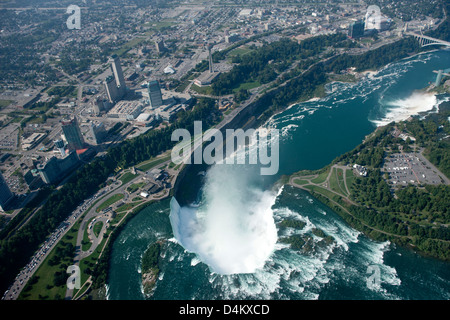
point(325, 185)
point(106, 218)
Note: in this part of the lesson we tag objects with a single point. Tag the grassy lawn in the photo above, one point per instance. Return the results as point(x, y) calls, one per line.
point(341, 182)
point(335, 185)
point(326, 193)
point(135, 186)
point(110, 201)
point(240, 51)
point(44, 288)
point(97, 228)
point(128, 206)
point(248, 86)
point(300, 181)
point(90, 261)
point(128, 46)
point(350, 177)
point(45, 274)
point(202, 90)
point(86, 242)
point(127, 177)
point(321, 177)
point(5, 103)
point(147, 165)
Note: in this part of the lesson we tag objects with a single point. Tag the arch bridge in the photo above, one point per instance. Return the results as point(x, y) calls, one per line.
point(425, 41)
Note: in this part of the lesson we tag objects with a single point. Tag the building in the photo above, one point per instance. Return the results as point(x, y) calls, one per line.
point(115, 85)
point(356, 29)
point(246, 13)
point(211, 65)
point(33, 179)
point(206, 78)
point(145, 120)
point(59, 144)
point(159, 45)
point(33, 140)
point(154, 94)
point(57, 168)
point(144, 194)
point(100, 104)
point(169, 69)
point(232, 38)
point(5, 194)
point(128, 110)
point(118, 75)
point(73, 134)
point(362, 171)
point(98, 132)
point(111, 90)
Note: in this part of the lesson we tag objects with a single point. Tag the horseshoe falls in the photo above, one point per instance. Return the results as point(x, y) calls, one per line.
point(227, 244)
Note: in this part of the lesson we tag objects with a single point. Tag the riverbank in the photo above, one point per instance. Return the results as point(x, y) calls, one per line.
point(382, 211)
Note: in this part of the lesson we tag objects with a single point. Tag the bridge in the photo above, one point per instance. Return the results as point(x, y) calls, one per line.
point(425, 41)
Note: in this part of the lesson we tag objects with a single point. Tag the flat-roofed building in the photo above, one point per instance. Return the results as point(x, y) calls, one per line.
point(125, 109)
point(31, 141)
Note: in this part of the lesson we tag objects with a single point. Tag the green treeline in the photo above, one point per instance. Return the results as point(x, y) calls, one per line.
point(376, 58)
point(265, 63)
point(443, 32)
point(16, 250)
point(292, 223)
point(429, 134)
point(150, 258)
point(62, 91)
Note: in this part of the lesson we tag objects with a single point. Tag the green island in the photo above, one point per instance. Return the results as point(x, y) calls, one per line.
point(150, 269)
point(372, 197)
point(303, 242)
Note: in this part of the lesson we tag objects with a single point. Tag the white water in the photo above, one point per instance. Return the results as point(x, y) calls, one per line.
point(233, 231)
point(402, 109)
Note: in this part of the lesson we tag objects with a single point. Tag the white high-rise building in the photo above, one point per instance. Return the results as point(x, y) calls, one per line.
point(118, 74)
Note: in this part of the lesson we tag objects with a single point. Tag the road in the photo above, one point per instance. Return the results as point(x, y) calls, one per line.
point(106, 217)
point(36, 260)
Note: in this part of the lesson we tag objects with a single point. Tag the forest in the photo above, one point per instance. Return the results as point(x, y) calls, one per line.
point(267, 62)
point(416, 216)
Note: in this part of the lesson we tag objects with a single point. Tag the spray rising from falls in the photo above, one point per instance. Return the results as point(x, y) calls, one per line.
point(402, 109)
point(233, 230)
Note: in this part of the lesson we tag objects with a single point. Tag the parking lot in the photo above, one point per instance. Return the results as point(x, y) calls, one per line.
point(413, 168)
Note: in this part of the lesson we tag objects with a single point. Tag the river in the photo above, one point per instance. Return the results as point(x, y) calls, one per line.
point(228, 248)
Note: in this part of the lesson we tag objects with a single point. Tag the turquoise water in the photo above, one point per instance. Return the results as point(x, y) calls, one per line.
point(313, 134)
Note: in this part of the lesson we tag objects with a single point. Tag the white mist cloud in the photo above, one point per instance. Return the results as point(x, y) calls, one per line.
point(234, 230)
point(402, 109)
